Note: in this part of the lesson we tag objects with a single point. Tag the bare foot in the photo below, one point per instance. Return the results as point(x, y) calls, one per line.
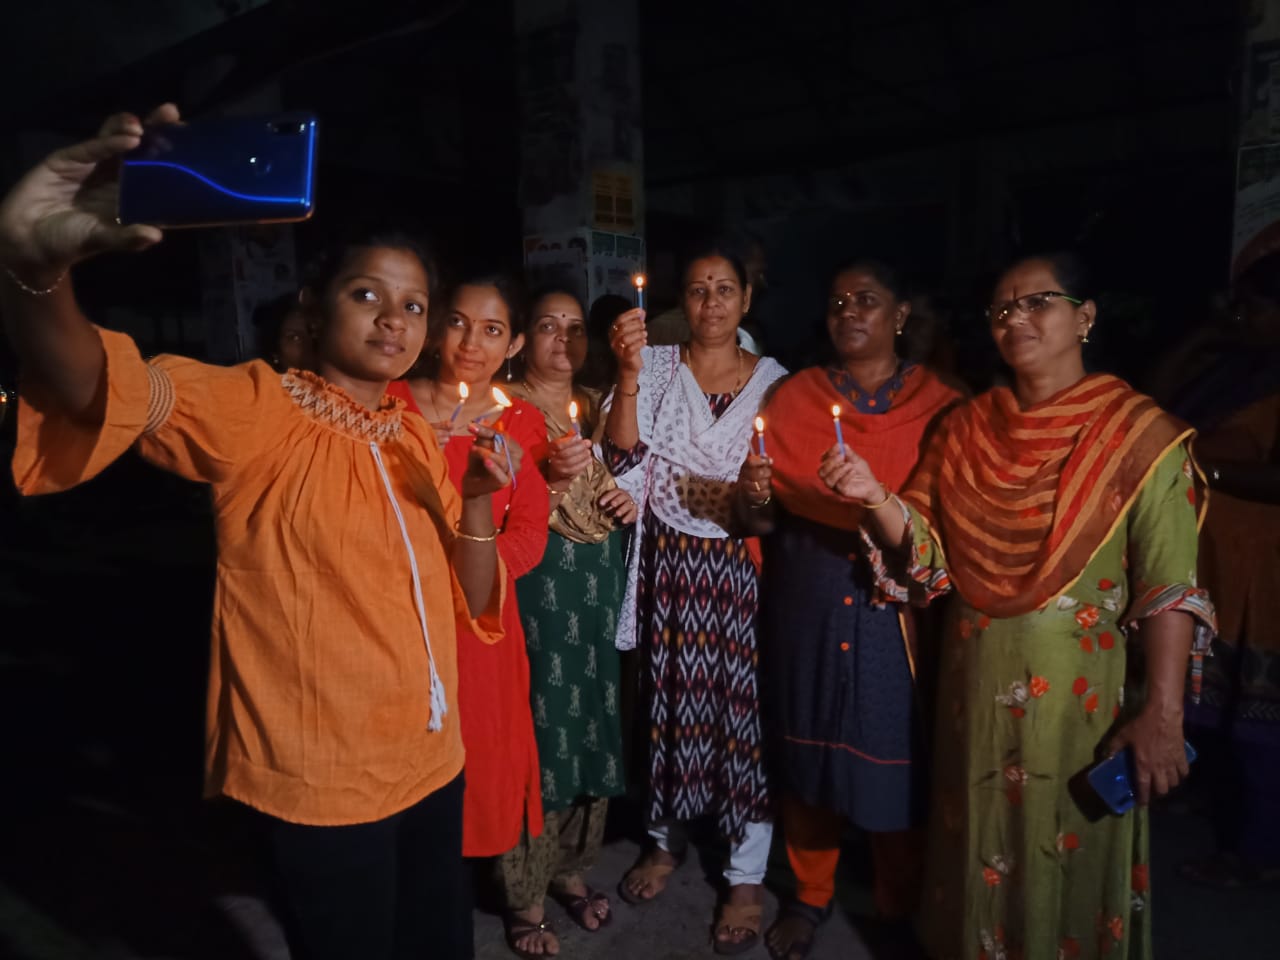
point(790, 937)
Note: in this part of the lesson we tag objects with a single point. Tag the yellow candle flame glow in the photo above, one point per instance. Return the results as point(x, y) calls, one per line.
point(835, 411)
point(463, 391)
point(500, 398)
point(639, 281)
point(573, 409)
point(759, 424)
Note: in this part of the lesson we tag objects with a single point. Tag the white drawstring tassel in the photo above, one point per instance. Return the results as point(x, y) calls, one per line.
point(439, 704)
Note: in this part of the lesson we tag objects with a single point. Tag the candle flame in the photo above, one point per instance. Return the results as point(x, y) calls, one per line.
point(463, 391)
point(759, 424)
point(835, 411)
point(573, 409)
point(639, 281)
point(500, 398)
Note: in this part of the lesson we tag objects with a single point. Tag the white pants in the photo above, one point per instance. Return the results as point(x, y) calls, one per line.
point(748, 860)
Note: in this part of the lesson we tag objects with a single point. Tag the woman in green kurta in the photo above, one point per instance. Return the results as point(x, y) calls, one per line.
point(1067, 510)
point(569, 608)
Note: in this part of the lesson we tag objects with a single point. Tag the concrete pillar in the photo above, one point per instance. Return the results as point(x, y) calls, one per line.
point(581, 150)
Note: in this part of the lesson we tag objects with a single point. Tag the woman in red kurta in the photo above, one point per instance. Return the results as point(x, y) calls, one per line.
point(482, 329)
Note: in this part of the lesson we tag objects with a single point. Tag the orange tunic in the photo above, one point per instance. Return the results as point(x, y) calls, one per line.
point(320, 679)
point(504, 794)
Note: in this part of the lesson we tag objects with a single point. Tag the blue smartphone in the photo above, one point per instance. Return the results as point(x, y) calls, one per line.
point(1112, 780)
point(221, 171)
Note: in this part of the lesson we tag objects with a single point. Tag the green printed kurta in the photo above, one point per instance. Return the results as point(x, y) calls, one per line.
point(1015, 869)
point(569, 606)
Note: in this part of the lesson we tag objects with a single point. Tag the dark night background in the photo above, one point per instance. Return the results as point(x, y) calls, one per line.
point(946, 135)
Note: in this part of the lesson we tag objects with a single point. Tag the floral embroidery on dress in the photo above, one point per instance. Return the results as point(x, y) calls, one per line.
point(1021, 693)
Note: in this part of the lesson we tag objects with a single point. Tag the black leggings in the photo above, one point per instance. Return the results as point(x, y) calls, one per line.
point(394, 889)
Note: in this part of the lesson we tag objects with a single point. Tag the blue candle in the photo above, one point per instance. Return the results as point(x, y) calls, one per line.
point(760, 436)
point(639, 282)
point(835, 418)
point(501, 441)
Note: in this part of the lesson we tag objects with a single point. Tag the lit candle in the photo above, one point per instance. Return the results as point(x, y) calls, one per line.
point(573, 417)
point(463, 392)
point(760, 435)
point(638, 280)
point(500, 403)
point(835, 417)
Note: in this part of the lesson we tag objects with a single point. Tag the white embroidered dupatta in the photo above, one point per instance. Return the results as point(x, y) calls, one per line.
point(688, 473)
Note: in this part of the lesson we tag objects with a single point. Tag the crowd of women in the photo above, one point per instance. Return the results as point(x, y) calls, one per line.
point(423, 590)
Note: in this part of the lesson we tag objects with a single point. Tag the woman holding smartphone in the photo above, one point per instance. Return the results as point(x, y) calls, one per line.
point(345, 554)
point(1063, 515)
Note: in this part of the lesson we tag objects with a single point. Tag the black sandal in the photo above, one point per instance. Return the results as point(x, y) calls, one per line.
point(517, 929)
point(799, 948)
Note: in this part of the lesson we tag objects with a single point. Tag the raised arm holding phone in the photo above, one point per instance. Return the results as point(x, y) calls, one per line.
point(344, 552)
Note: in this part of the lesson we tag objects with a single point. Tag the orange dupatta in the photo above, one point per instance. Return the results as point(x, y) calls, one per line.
point(1023, 499)
point(798, 431)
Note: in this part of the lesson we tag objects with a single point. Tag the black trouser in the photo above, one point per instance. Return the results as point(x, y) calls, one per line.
point(394, 889)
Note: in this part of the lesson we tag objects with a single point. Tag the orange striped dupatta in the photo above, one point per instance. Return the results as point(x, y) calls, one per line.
point(1021, 500)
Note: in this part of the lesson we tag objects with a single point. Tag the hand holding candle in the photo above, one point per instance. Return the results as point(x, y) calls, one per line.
point(638, 280)
point(835, 418)
point(573, 417)
point(760, 436)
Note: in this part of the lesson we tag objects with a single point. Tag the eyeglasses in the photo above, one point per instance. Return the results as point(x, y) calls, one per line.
point(1029, 304)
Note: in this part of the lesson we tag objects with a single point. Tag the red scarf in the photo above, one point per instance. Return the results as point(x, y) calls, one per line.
point(1023, 499)
point(799, 430)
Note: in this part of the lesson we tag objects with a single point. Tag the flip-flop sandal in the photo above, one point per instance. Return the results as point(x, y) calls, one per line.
point(516, 929)
point(579, 907)
point(737, 916)
point(799, 948)
point(648, 873)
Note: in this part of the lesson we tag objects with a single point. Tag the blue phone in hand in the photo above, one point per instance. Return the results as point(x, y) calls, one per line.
point(222, 171)
point(1112, 779)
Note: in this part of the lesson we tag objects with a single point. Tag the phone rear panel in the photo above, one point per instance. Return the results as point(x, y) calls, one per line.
point(221, 171)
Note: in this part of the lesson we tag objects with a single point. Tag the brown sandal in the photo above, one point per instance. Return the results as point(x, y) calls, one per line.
point(649, 873)
point(517, 929)
point(737, 916)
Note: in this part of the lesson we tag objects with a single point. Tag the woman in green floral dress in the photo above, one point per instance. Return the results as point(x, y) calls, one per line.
point(1063, 514)
point(569, 608)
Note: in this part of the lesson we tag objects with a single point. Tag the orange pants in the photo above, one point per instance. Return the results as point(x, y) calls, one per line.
point(813, 847)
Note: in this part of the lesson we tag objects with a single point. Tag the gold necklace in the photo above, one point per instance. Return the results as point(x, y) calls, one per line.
point(687, 355)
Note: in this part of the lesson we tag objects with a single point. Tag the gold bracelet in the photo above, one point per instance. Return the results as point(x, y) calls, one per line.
point(634, 393)
point(466, 536)
point(32, 291)
point(887, 497)
point(762, 504)
point(553, 492)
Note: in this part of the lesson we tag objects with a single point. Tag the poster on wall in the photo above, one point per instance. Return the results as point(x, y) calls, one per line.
point(557, 260)
point(1256, 224)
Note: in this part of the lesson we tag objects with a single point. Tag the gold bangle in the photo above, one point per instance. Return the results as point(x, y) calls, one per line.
point(553, 492)
point(30, 290)
point(466, 536)
point(634, 393)
point(876, 506)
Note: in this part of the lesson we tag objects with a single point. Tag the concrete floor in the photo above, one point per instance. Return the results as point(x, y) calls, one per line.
point(90, 879)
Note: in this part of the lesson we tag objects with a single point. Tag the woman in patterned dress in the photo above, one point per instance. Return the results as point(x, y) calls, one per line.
point(569, 607)
point(677, 432)
point(1067, 510)
point(841, 707)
